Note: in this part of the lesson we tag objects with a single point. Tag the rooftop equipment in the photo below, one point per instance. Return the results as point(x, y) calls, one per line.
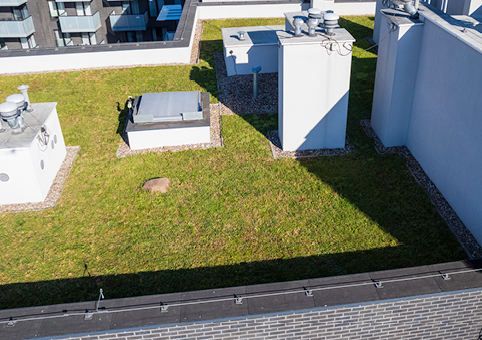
point(298, 22)
point(24, 90)
point(330, 21)
point(256, 70)
point(312, 25)
point(10, 113)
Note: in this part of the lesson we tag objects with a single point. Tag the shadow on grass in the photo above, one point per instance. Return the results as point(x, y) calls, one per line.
point(206, 78)
point(168, 281)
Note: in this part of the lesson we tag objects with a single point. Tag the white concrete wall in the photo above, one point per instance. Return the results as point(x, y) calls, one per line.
point(245, 10)
point(85, 60)
point(277, 10)
point(397, 66)
point(313, 95)
point(445, 129)
point(378, 20)
point(168, 137)
point(28, 181)
point(443, 133)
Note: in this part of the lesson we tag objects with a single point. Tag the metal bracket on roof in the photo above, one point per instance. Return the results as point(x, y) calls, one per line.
point(164, 308)
point(11, 322)
point(309, 292)
point(238, 300)
point(378, 284)
point(446, 277)
point(88, 316)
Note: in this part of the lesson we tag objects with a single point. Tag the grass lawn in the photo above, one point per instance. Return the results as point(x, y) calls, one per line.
point(233, 215)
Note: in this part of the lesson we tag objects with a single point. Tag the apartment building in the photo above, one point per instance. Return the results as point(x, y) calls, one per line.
point(28, 24)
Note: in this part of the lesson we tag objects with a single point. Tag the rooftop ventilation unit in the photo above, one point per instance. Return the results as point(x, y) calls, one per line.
point(298, 22)
point(330, 21)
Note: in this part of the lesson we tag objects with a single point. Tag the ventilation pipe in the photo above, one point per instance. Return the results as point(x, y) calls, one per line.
point(298, 22)
point(10, 113)
point(330, 21)
point(255, 70)
point(241, 35)
point(19, 100)
point(410, 8)
point(312, 24)
point(24, 90)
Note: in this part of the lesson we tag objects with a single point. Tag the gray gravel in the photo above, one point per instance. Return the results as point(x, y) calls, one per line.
point(463, 235)
point(277, 152)
point(236, 92)
point(55, 190)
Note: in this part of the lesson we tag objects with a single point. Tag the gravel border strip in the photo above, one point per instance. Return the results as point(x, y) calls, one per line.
point(277, 152)
point(215, 131)
point(55, 190)
point(463, 235)
point(236, 92)
point(196, 43)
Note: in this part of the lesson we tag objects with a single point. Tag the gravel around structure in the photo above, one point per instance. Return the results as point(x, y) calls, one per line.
point(277, 152)
point(216, 139)
point(55, 190)
point(196, 43)
point(236, 92)
point(463, 235)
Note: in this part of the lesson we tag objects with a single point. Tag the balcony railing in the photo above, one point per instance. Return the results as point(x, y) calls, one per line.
point(128, 22)
point(11, 3)
point(80, 23)
point(16, 29)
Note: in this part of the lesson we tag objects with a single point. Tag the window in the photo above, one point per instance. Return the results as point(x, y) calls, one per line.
point(130, 7)
point(89, 39)
point(139, 36)
point(56, 9)
point(83, 8)
point(63, 39)
point(153, 13)
point(20, 13)
point(28, 43)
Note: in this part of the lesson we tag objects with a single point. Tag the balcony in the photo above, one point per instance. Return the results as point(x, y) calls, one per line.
point(80, 23)
point(11, 3)
point(128, 22)
point(16, 29)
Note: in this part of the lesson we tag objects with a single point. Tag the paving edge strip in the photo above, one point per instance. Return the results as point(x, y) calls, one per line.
point(463, 235)
point(55, 190)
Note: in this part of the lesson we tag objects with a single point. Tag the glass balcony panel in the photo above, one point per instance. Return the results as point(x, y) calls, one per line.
point(129, 22)
point(11, 3)
point(78, 24)
point(16, 29)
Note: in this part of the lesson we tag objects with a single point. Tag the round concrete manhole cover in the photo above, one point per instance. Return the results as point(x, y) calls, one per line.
point(4, 177)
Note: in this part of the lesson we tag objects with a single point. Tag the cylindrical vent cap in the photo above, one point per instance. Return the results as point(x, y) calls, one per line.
point(314, 13)
point(8, 110)
point(330, 21)
point(18, 99)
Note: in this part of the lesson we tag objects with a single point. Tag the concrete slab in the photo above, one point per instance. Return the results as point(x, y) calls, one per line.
point(213, 310)
point(403, 287)
point(344, 294)
point(278, 303)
